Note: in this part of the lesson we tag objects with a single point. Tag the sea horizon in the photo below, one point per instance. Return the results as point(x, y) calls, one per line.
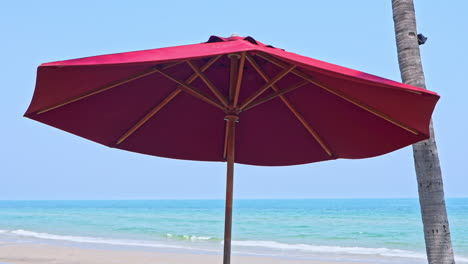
point(377, 230)
point(217, 199)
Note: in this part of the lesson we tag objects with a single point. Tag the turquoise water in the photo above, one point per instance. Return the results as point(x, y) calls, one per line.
point(375, 230)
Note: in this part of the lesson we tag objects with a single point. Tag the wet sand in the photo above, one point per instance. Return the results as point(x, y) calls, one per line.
point(50, 254)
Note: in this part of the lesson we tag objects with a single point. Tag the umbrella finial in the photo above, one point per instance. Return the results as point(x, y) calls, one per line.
point(235, 35)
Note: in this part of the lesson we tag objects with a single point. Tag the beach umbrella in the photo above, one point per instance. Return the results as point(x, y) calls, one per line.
point(233, 100)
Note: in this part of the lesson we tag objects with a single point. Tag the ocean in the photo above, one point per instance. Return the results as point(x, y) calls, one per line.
point(366, 230)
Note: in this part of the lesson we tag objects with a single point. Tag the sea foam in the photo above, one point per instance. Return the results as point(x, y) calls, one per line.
point(94, 240)
point(188, 237)
point(246, 244)
point(330, 249)
point(384, 252)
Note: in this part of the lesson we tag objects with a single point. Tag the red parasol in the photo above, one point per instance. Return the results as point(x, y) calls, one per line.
point(205, 101)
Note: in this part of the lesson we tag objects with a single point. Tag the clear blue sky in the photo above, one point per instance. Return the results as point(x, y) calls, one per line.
point(40, 162)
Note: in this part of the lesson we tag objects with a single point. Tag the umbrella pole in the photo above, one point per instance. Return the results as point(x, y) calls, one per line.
point(231, 138)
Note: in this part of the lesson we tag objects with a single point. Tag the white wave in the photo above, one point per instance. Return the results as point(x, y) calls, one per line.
point(93, 240)
point(194, 238)
point(330, 249)
point(188, 237)
point(385, 252)
point(272, 245)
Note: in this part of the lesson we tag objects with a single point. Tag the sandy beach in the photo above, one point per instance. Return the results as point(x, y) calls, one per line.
point(51, 254)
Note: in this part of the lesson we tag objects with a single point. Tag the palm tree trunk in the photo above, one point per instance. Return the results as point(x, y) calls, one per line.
point(429, 176)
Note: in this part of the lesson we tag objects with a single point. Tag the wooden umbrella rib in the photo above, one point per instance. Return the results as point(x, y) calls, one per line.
point(359, 104)
point(193, 91)
point(277, 93)
point(169, 98)
point(99, 90)
point(267, 85)
point(259, 70)
point(342, 95)
point(307, 126)
point(239, 78)
point(281, 65)
point(203, 68)
point(148, 116)
point(208, 83)
point(105, 88)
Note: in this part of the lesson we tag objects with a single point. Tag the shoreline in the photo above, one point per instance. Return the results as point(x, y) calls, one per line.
point(19, 253)
point(50, 252)
point(21, 240)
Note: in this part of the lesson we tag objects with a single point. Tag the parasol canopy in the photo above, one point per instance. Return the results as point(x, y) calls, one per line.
point(230, 99)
